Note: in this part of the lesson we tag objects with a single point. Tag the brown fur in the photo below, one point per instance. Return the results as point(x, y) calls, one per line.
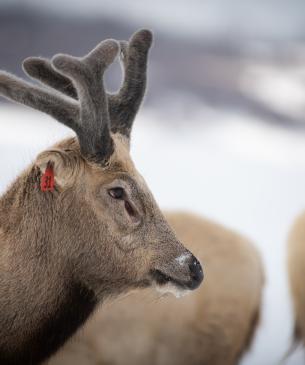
point(213, 326)
point(296, 270)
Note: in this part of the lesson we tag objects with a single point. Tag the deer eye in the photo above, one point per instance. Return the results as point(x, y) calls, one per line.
point(116, 193)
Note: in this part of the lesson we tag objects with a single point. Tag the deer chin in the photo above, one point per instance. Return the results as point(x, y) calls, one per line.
point(171, 288)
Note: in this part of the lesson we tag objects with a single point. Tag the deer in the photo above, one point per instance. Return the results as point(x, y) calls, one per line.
point(79, 226)
point(215, 325)
point(296, 272)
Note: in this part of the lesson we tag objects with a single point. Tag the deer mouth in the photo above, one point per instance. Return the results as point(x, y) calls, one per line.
point(162, 280)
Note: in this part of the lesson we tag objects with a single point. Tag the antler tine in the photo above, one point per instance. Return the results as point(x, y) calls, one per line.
point(88, 117)
point(42, 70)
point(86, 75)
point(124, 105)
point(64, 110)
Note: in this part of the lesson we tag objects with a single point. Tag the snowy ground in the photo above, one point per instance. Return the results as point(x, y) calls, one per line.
point(245, 174)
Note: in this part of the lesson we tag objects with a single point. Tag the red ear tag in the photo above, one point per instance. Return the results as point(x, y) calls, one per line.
point(47, 179)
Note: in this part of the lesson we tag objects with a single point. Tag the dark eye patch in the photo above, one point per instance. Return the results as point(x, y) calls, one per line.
point(129, 209)
point(117, 193)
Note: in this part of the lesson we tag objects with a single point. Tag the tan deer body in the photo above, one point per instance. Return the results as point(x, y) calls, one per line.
point(212, 326)
point(296, 270)
point(79, 225)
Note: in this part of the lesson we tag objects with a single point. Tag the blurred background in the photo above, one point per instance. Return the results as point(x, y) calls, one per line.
point(222, 129)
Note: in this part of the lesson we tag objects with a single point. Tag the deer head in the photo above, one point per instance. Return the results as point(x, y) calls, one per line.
point(103, 225)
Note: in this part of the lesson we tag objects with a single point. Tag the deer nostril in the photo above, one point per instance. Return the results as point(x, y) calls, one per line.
point(196, 273)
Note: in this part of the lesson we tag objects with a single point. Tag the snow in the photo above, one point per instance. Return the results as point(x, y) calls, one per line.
point(227, 166)
point(182, 258)
point(280, 87)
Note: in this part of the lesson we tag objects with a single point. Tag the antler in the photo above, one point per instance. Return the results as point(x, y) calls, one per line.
point(88, 117)
point(42, 70)
point(124, 105)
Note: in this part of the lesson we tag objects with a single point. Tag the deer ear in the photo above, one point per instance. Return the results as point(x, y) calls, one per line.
point(64, 166)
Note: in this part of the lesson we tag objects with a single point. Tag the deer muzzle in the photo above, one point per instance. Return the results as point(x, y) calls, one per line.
point(183, 273)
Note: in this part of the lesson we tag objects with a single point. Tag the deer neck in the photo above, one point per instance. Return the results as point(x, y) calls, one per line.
point(41, 304)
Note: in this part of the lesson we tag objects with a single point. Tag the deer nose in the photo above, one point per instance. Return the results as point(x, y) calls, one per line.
point(196, 273)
